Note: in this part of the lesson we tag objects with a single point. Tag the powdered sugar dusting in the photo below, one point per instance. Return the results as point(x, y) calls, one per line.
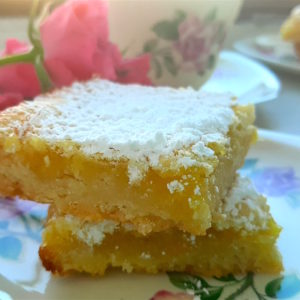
point(197, 190)
point(244, 208)
point(136, 172)
point(145, 255)
point(91, 233)
point(201, 150)
point(130, 121)
point(175, 186)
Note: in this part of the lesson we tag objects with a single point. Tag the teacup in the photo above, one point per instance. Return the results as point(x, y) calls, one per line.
point(183, 37)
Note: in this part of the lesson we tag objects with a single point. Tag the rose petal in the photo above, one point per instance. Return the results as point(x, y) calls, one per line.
point(166, 295)
point(18, 78)
point(75, 36)
point(105, 60)
point(13, 46)
point(134, 70)
point(10, 99)
point(60, 74)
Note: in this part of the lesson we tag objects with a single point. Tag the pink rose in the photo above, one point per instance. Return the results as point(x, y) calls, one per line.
point(165, 295)
point(195, 42)
point(76, 45)
point(20, 78)
point(75, 41)
point(134, 70)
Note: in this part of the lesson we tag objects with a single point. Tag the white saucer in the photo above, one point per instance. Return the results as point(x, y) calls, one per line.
point(250, 81)
point(271, 50)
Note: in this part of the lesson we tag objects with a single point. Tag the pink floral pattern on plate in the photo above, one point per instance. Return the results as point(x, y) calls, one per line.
point(166, 295)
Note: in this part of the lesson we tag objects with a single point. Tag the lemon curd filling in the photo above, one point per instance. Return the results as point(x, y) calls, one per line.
point(94, 160)
point(216, 254)
point(244, 241)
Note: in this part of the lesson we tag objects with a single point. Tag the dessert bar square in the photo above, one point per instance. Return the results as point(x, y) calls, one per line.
point(155, 156)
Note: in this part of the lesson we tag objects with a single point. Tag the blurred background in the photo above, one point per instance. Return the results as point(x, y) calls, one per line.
point(250, 7)
point(256, 18)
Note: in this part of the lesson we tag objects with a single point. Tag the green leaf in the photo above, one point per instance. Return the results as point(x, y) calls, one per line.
point(247, 282)
point(166, 30)
point(201, 73)
point(124, 51)
point(283, 287)
point(227, 278)
point(210, 293)
point(156, 66)
point(187, 282)
point(150, 45)
point(180, 16)
point(221, 34)
point(211, 61)
point(170, 65)
point(211, 16)
point(273, 287)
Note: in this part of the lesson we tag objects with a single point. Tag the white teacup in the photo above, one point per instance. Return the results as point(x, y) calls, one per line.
point(184, 37)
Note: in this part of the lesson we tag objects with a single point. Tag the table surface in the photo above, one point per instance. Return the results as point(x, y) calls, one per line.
point(282, 114)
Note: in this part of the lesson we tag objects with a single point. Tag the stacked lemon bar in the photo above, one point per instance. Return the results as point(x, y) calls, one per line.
point(140, 178)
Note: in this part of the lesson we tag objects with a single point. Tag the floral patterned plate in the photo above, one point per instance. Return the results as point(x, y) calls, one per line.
point(274, 166)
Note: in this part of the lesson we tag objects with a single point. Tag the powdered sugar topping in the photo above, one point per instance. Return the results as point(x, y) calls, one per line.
point(175, 186)
point(244, 208)
point(130, 121)
point(91, 233)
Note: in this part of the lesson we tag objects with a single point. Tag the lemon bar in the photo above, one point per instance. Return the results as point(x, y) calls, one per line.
point(243, 242)
point(155, 156)
point(290, 30)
